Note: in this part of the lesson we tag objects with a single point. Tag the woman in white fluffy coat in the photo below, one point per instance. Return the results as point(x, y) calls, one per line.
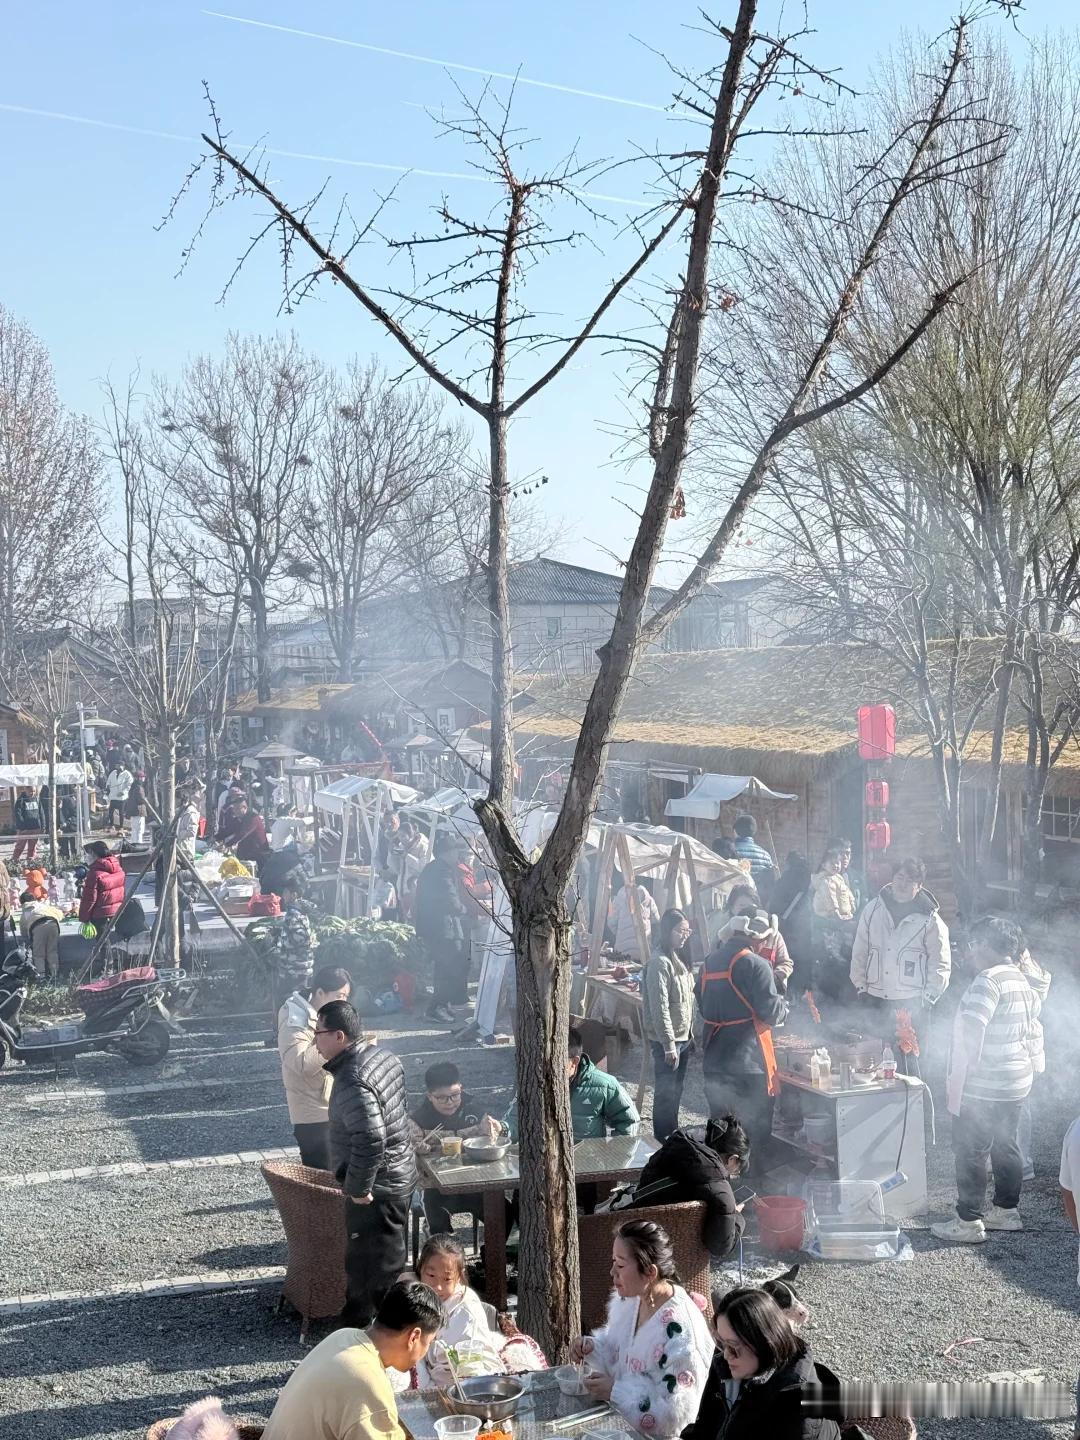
point(654, 1353)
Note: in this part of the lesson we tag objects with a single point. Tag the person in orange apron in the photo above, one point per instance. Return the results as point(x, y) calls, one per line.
point(740, 1003)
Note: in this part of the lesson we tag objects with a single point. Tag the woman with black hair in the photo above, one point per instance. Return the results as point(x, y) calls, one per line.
point(700, 1163)
point(651, 1358)
point(668, 995)
point(756, 1380)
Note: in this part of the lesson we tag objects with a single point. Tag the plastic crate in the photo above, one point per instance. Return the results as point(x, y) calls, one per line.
point(848, 1221)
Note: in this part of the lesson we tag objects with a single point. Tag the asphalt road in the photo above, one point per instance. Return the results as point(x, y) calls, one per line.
point(74, 1368)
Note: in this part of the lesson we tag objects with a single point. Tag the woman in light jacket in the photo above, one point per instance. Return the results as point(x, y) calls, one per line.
point(307, 1085)
point(668, 996)
point(651, 1359)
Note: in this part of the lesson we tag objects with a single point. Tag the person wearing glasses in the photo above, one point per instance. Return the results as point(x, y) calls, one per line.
point(755, 1384)
point(447, 1111)
point(371, 1154)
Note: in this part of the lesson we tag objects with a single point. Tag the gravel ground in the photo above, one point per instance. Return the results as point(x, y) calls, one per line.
point(103, 1371)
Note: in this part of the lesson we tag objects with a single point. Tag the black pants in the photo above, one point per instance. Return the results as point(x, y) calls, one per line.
point(116, 814)
point(450, 966)
point(440, 1218)
point(314, 1142)
point(668, 1088)
point(747, 1098)
point(986, 1130)
point(376, 1252)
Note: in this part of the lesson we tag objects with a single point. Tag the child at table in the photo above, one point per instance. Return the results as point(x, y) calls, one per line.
point(477, 1348)
point(447, 1110)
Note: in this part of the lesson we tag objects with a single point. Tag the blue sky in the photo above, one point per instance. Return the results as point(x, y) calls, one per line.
point(81, 262)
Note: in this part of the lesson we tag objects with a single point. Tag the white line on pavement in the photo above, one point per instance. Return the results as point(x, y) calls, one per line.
point(128, 1168)
point(199, 1284)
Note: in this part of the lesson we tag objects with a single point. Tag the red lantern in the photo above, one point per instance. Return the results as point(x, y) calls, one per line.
point(877, 732)
point(877, 794)
point(878, 835)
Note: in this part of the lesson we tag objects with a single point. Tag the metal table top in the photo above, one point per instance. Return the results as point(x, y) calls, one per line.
point(541, 1405)
point(608, 1159)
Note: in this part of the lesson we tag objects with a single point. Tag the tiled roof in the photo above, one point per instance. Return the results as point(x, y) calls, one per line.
point(552, 582)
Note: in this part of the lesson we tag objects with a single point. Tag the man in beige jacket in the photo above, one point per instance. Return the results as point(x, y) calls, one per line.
point(307, 1085)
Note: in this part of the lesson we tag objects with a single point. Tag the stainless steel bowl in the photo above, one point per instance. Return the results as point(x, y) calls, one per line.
point(481, 1151)
point(491, 1397)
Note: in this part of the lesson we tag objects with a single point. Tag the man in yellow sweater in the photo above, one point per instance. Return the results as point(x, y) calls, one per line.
point(341, 1390)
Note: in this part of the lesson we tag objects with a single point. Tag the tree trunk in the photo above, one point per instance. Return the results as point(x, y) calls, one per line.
point(549, 1290)
point(257, 605)
point(498, 599)
point(54, 746)
point(170, 907)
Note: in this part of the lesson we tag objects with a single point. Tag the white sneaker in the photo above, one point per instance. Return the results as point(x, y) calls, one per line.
point(998, 1219)
point(966, 1232)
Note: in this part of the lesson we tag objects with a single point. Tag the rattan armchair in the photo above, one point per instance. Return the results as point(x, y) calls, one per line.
point(683, 1224)
point(312, 1213)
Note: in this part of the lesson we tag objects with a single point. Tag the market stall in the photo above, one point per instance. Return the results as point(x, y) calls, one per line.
point(682, 873)
point(358, 803)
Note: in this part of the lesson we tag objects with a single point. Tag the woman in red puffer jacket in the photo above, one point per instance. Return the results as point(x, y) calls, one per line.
point(103, 888)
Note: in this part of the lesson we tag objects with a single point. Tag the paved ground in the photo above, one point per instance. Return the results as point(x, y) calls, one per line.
point(145, 1188)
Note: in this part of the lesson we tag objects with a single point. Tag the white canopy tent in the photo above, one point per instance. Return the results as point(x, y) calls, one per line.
point(67, 773)
point(367, 798)
point(711, 791)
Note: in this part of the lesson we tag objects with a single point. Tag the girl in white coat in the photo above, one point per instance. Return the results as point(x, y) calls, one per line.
point(476, 1349)
point(652, 1358)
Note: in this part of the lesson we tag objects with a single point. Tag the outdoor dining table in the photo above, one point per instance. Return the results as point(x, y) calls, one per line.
point(543, 1413)
point(615, 1158)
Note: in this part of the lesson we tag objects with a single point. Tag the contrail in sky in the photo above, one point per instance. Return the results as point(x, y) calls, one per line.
point(443, 64)
point(302, 155)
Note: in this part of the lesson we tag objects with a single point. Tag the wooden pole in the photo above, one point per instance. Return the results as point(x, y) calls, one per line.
point(626, 865)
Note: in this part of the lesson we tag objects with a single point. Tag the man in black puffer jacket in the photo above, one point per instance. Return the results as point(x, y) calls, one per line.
point(371, 1154)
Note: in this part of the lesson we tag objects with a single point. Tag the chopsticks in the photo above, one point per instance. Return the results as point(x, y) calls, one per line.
point(568, 1422)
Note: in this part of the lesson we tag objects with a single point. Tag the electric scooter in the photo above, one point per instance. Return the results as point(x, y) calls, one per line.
point(123, 1013)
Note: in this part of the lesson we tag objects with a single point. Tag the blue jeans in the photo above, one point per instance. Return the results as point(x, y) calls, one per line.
point(667, 1093)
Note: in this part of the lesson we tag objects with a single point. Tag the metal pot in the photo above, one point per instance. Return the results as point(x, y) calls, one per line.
point(481, 1151)
point(491, 1397)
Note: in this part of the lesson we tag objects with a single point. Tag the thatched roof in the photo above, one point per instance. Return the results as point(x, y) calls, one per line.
point(782, 712)
point(305, 698)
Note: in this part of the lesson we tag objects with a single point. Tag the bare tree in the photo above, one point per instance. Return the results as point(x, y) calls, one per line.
point(958, 478)
point(50, 483)
point(45, 678)
point(235, 435)
point(442, 539)
point(724, 98)
point(380, 453)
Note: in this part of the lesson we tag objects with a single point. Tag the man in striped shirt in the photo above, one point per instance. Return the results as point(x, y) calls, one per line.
point(990, 1072)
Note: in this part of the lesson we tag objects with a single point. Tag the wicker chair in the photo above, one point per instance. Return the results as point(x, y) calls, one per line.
point(683, 1224)
point(247, 1430)
point(313, 1216)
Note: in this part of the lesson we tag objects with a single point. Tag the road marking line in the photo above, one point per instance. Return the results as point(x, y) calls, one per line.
point(128, 1168)
point(198, 1284)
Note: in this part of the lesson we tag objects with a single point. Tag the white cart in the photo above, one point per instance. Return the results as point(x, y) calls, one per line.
point(870, 1132)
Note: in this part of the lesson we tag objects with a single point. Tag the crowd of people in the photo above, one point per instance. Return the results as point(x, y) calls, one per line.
point(802, 947)
point(810, 951)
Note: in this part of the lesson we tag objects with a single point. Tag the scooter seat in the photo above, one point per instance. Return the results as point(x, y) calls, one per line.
point(98, 992)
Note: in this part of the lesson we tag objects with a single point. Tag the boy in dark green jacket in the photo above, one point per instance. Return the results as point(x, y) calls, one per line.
point(598, 1103)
